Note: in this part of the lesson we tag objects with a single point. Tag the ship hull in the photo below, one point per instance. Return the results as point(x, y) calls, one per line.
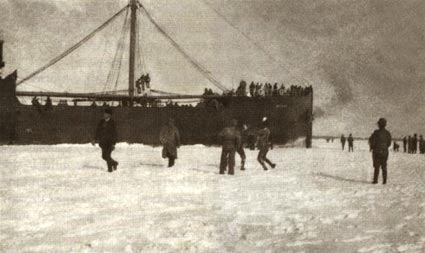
point(289, 117)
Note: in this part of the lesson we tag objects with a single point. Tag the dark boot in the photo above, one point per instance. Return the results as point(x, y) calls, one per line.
point(170, 162)
point(110, 169)
point(115, 165)
point(243, 164)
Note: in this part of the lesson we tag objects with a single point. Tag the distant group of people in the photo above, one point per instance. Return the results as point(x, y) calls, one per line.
point(413, 144)
point(143, 83)
point(169, 137)
point(263, 89)
point(350, 141)
point(47, 106)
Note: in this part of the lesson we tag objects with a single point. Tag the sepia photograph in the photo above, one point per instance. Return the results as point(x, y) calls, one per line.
point(214, 126)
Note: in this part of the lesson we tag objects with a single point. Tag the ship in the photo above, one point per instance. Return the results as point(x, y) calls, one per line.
point(140, 115)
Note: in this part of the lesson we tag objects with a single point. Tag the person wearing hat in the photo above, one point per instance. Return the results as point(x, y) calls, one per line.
point(231, 141)
point(263, 144)
point(380, 141)
point(170, 140)
point(106, 136)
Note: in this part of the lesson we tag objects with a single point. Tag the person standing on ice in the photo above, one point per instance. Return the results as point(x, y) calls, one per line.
point(106, 136)
point(170, 140)
point(264, 144)
point(380, 142)
point(240, 150)
point(231, 140)
point(343, 141)
point(350, 141)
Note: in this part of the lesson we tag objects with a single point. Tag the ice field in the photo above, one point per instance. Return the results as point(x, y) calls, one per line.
point(61, 199)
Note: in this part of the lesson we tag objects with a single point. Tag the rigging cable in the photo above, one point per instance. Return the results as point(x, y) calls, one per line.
point(120, 46)
point(73, 48)
point(139, 49)
point(253, 42)
point(197, 65)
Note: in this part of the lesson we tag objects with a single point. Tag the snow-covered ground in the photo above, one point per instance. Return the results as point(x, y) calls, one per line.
point(61, 199)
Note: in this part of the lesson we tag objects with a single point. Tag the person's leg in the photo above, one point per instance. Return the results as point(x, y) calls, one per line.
point(260, 159)
point(267, 160)
point(241, 153)
point(231, 162)
point(376, 166)
point(106, 155)
point(223, 161)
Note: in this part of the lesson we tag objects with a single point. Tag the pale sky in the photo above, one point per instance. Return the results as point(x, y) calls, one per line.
point(365, 59)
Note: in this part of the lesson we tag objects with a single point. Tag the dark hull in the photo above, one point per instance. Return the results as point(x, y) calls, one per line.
point(289, 117)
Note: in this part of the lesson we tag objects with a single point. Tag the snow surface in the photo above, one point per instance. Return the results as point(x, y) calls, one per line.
point(61, 199)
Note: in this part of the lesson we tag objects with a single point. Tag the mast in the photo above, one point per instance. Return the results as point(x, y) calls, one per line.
point(133, 22)
point(1, 59)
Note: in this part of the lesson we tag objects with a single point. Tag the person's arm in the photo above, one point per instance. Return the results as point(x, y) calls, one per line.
point(177, 138)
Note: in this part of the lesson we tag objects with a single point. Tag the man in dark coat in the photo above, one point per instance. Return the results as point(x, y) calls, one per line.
point(415, 144)
point(380, 142)
point(106, 136)
point(343, 141)
point(409, 144)
point(264, 144)
point(170, 140)
point(231, 140)
point(404, 144)
point(350, 141)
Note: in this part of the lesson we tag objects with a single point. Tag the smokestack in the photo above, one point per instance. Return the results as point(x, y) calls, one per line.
point(1, 55)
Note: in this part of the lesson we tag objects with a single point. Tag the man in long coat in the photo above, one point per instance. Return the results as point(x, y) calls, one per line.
point(170, 140)
point(106, 136)
point(380, 142)
point(231, 141)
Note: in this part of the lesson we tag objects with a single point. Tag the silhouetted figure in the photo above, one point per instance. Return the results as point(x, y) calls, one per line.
point(252, 89)
point(415, 144)
point(231, 140)
point(148, 81)
point(241, 91)
point(409, 144)
point(240, 149)
point(170, 140)
point(264, 144)
point(343, 139)
point(350, 141)
point(404, 144)
point(380, 142)
point(421, 145)
point(106, 136)
point(48, 104)
point(396, 147)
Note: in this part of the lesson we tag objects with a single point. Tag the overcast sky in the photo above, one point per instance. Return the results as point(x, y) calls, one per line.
point(365, 59)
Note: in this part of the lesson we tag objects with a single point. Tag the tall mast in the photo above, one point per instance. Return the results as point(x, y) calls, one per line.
point(133, 22)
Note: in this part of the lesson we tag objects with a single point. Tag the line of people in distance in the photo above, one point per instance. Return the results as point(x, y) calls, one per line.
point(412, 143)
point(169, 137)
point(263, 89)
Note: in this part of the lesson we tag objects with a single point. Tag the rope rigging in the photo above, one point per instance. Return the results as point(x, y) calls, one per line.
point(116, 62)
point(194, 63)
point(253, 42)
point(73, 48)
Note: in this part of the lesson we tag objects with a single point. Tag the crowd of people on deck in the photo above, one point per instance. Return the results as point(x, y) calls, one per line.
point(263, 89)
